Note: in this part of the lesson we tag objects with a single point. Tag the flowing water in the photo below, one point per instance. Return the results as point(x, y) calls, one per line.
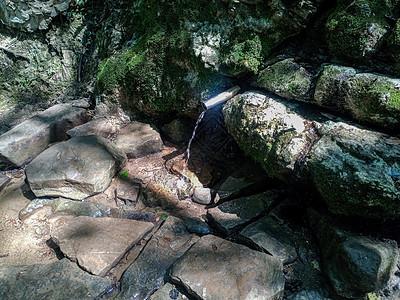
point(191, 140)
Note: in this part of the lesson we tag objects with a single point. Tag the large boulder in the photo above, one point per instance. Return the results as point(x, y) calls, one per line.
point(76, 169)
point(58, 280)
point(367, 97)
point(270, 130)
point(98, 244)
point(218, 269)
point(355, 265)
point(355, 170)
point(25, 141)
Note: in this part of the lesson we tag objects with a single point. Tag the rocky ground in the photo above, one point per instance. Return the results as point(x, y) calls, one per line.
point(119, 215)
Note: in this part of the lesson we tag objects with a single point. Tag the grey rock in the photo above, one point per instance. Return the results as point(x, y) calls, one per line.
point(355, 265)
point(149, 271)
point(64, 206)
point(269, 130)
point(4, 179)
point(311, 294)
point(268, 236)
point(202, 195)
point(58, 280)
point(98, 244)
point(139, 139)
point(26, 140)
point(218, 269)
point(178, 131)
point(195, 225)
point(167, 292)
point(232, 185)
point(229, 216)
point(287, 79)
point(367, 97)
point(101, 127)
point(31, 15)
point(354, 170)
point(77, 168)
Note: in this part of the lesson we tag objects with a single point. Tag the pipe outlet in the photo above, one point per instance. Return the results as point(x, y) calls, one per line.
point(220, 98)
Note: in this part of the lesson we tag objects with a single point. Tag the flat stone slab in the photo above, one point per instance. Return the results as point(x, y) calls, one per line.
point(149, 271)
point(64, 206)
point(267, 235)
point(218, 269)
point(25, 141)
point(230, 215)
point(59, 280)
point(76, 169)
point(139, 139)
point(97, 244)
point(101, 127)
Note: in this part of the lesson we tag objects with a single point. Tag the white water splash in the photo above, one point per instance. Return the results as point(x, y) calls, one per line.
point(191, 140)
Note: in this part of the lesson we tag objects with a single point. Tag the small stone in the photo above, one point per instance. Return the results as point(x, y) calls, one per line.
point(202, 195)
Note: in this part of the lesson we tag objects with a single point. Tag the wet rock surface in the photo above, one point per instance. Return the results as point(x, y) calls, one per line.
point(75, 169)
point(58, 280)
point(217, 269)
point(97, 244)
point(139, 139)
point(25, 141)
point(150, 271)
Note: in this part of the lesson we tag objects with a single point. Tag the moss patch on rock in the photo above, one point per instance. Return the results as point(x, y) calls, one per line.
point(356, 29)
point(287, 79)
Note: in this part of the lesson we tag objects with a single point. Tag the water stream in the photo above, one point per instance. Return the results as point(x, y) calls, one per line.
point(191, 140)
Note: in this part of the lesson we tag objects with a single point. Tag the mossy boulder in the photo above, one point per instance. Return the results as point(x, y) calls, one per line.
point(177, 55)
point(356, 29)
point(287, 79)
point(367, 97)
point(356, 171)
point(268, 130)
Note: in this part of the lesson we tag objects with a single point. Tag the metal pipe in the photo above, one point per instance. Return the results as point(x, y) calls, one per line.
point(220, 98)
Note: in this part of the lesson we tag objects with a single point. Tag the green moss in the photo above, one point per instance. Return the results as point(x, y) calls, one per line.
point(348, 26)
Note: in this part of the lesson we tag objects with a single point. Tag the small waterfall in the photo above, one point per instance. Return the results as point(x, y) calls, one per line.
point(191, 140)
point(220, 98)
